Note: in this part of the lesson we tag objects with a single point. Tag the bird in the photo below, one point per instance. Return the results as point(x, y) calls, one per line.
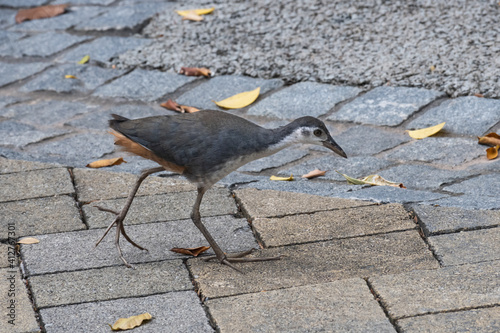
point(204, 147)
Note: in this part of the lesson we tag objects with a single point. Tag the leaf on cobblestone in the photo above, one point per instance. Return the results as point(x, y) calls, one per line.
point(106, 163)
point(130, 322)
point(192, 17)
point(492, 152)
point(69, 76)
point(282, 178)
point(491, 139)
point(174, 106)
point(374, 180)
point(239, 100)
point(195, 251)
point(28, 240)
point(200, 11)
point(40, 12)
point(314, 173)
point(195, 71)
point(426, 132)
point(84, 60)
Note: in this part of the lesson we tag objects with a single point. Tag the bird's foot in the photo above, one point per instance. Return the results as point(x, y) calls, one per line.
point(227, 259)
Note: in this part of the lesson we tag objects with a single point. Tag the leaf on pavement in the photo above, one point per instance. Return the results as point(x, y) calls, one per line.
point(425, 132)
point(195, 251)
point(84, 60)
point(374, 180)
point(174, 106)
point(106, 163)
point(492, 152)
point(200, 11)
point(28, 240)
point(130, 322)
point(314, 173)
point(286, 179)
point(40, 12)
point(491, 139)
point(70, 76)
point(195, 71)
point(239, 100)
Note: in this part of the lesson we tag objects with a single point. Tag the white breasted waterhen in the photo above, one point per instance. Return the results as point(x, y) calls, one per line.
point(205, 147)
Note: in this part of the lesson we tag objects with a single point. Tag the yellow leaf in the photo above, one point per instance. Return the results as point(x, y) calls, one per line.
point(282, 178)
point(84, 60)
point(192, 17)
point(201, 11)
point(28, 240)
point(314, 173)
point(374, 180)
point(130, 322)
point(106, 163)
point(239, 100)
point(69, 77)
point(425, 132)
point(492, 152)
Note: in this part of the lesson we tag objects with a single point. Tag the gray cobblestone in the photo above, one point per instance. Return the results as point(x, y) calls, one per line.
point(10, 73)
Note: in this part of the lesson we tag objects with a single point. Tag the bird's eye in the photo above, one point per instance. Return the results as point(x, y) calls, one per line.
point(317, 132)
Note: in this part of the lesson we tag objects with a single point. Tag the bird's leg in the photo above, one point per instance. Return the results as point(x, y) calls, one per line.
point(219, 254)
point(120, 229)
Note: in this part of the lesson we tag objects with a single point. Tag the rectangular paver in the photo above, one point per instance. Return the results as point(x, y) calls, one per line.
point(316, 263)
point(340, 306)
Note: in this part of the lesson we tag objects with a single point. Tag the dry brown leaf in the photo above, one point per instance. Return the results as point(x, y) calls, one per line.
point(40, 12)
point(192, 16)
point(492, 152)
point(314, 173)
point(28, 240)
point(195, 71)
point(174, 106)
point(130, 322)
point(195, 251)
point(479, 95)
point(189, 109)
point(106, 163)
point(490, 139)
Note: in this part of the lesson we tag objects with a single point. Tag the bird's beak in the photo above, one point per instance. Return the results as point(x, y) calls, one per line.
point(331, 144)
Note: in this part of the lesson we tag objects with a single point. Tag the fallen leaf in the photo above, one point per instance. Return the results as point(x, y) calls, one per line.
point(106, 163)
point(432, 68)
point(70, 77)
point(282, 178)
point(40, 12)
point(28, 240)
point(84, 60)
point(130, 322)
point(425, 132)
point(192, 17)
point(239, 100)
point(374, 180)
point(492, 152)
point(479, 95)
point(490, 139)
point(189, 109)
point(314, 173)
point(201, 11)
point(195, 251)
point(195, 71)
point(174, 106)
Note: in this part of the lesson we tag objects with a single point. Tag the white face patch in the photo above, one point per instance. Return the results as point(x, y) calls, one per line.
point(301, 135)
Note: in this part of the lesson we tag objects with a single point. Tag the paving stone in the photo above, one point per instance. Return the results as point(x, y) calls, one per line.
point(13, 133)
point(144, 85)
point(358, 166)
point(124, 17)
point(314, 263)
point(94, 185)
point(8, 100)
point(336, 224)
point(437, 220)
point(21, 318)
point(383, 194)
point(340, 306)
point(103, 49)
point(41, 216)
point(108, 283)
point(222, 87)
point(385, 105)
point(49, 112)
point(177, 312)
point(239, 178)
point(364, 140)
point(9, 36)
point(161, 207)
point(87, 78)
point(40, 45)
point(477, 320)
point(467, 247)
point(269, 203)
point(484, 185)
point(422, 177)
point(464, 115)
point(7, 18)
point(35, 184)
point(22, 3)
point(467, 202)
point(303, 99)
point(449, 151)
point(72, 17)
point(233, 235)
point(428, 291)
point(13, 166)
point(274, 161)
point(10, 73)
